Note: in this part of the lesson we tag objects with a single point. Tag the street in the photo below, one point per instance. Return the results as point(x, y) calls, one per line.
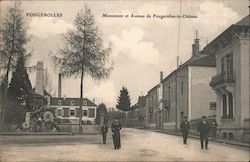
point(137, 145)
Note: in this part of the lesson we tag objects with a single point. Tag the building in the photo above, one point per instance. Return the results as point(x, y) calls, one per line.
point(184, 92)
point(169, 101)
point(67, 110)
point(231, 82)
point(152, 107)
point(137, 113)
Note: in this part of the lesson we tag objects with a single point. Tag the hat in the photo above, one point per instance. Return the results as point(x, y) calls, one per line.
point(185, 117)
point(204, 117)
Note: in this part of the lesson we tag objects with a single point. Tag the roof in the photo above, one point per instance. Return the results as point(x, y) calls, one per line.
point(207, 60)
point(244, 22)
point(67, 101)
point(141, 101)
point(241, 26)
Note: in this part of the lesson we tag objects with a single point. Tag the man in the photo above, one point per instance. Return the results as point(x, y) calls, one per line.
point(185, 129)
point(203, 130)
point(115, 128)
point(104, 133)
point(214, 126)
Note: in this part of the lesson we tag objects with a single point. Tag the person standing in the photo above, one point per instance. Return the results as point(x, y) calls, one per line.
point(115, 128)
point(214, 126)
point(185, 129)
point(204, 130)
point(104, 133)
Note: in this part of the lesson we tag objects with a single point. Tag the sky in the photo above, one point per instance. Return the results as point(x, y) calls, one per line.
point(141, 47)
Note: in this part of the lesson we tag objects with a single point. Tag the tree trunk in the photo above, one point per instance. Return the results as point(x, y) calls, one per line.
point(81, 100)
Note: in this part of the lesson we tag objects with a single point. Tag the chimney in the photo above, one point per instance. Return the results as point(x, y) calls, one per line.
point(161, 75)
point(39, 78)
point(196, 45)
point(59, 85)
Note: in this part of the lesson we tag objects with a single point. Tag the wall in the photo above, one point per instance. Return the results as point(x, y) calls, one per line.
point(245, 79)
point(182, 98)
point(201, 93)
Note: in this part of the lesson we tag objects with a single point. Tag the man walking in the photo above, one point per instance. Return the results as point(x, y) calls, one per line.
point(214, 126)
point(185, 129)
point(104, 133)
point(115, 128)
point(203, 130)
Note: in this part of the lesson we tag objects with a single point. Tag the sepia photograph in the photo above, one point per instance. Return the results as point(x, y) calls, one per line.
point(124, 80)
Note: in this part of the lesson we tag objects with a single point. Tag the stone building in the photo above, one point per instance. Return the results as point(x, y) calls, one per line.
point(186, 91)
point(67, 110)
point(151, 107)
point(231, 82)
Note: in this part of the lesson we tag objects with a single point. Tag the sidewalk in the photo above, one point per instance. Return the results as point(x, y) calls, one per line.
point(36, 139)
point(225, 141)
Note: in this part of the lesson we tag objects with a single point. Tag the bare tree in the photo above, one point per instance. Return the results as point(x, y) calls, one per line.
point(13, 41)
point(84, 53)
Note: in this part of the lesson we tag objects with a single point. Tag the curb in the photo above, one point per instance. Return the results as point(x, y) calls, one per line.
point(246, 145)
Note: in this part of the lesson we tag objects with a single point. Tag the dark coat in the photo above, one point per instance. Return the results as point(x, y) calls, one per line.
point(185, 126)
point(214, 124)
point(115, 128)
point(104, 130)
point(204, 129)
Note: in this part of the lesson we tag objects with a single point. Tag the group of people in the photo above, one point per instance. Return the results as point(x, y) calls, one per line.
point(115, 129)
point(204, 129)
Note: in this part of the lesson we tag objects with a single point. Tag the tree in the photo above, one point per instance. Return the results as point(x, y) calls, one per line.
point(19, 93)
point(101, 109)
point(12, 45)
point(123, 102)
point(84, 53)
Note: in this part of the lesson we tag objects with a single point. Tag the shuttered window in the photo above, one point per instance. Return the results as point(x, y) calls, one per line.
point(65, 112)
point(91, 113)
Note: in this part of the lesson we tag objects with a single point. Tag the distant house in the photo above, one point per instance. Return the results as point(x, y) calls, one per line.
point(137, 113)
point(67, 110)
point(231, 82)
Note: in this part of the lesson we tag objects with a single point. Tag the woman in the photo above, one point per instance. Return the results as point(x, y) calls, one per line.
point(115, 128)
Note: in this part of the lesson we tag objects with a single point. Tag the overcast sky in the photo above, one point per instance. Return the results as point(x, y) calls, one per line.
point(142, 47)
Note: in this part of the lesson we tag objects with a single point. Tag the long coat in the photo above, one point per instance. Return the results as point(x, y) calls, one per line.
point(104, 130)
point(115, 128)
point(185, 126)
point(204, 129)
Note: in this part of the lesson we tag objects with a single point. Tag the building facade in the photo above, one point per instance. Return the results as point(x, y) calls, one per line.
point(152, 107)
point(184, 92)
point(232, 80)
point(67, 110)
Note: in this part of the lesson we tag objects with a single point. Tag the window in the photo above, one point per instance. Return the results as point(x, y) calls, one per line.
point(230, 105)
point(228, 108)
point(72, 112)
point(212, 105)
point(182, 89)
point(222, 65)
point(59, 102)
point(230, 66)
point(72, 103)
point(91, 113)
point(59, 112)
point(65, 112)
point(84, 102)
point(85, 113)
point(224, 106)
